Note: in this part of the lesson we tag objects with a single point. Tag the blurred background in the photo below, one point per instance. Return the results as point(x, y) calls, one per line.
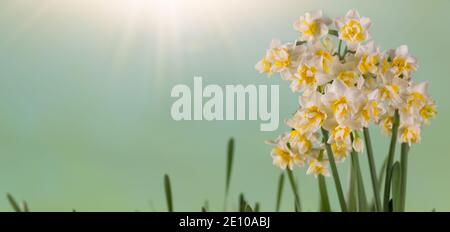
point(85, 101)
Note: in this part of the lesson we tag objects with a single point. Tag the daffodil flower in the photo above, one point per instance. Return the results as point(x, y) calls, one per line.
point(311, 116)
point(369, 58)
point(353, 29)
point(313, 26)
point(322, 51)
point(317, 167)
point(308, 77)
point(343, 92)
point(342, 100)
point(409, 131)
point(402, 62)
point(392, 88)
point(283, 155)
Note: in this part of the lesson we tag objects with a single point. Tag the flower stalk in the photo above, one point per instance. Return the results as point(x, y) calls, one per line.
point(404, 174)
point(334, 172)
point(373, 170)
point(294, 189)
point(390, 160)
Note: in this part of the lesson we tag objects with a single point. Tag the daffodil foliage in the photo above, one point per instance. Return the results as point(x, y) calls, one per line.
point(345, 82)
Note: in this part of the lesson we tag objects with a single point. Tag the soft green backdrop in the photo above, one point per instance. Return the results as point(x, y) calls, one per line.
point(85, 100)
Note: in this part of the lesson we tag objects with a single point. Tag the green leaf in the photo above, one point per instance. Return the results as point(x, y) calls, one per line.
point(230, 154)
point(13, 203)
point(257, 206)
point(205, 207)
point(242, 203)
point(324, 201)
point(280, 191)
point(396, 187)
point(168, 191)
point(25, 207)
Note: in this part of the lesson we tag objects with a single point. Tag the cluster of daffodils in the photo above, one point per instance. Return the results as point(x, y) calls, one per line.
point(345, 82)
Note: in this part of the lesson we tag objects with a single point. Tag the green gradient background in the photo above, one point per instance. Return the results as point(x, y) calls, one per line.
point(85, 101)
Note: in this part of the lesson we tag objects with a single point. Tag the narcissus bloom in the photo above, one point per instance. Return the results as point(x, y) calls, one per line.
point(313, 26)
point(353, 29)
point(317, 167)
point(402, 62)
point(342, 89)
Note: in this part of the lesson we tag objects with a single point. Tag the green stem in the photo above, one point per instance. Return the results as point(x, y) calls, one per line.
point(279, 192)
point(373, 170)
point(333, 32)
point(387, 184)
point(334, 171)
point(404, 175)
point(362, 200)
point(294, 189)
point(324, 200)
point(339, 50)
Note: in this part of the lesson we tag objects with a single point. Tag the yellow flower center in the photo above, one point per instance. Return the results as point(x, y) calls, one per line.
point(340, 106)
point(348, 77)
point(400, 65)
point(409, 135)
point(386, 91)
point(367, 63)
point(266, 65)
point(326, 58)
point(314, 116)
point(353, 31)
point(387, 124)
point(341, 133)
point(317, 167)
point(416, 99)
point(308, 74)
point(339, 150)
point(310, 28)
point(428, 111)
point(281, 57)
point(385, 66)
point(284, 156)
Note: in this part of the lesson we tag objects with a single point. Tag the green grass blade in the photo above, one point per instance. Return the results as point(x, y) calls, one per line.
point(229, 168)
point(298, 206)
point(13, 203)
point(242, 203)
point(257, 207)
point(25, 207)
point(396, 187)
point(279, 192)
point(205, 207)
point(324, 200)
point(230, 154)
point(168, 191)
